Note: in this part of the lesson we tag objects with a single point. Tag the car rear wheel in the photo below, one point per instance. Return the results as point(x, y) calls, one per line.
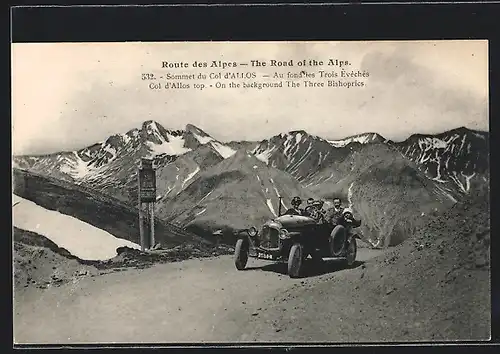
point(241, 254)
point(295, 261)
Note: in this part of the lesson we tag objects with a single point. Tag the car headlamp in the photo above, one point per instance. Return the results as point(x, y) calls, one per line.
point(252, 231)
point(284, 234)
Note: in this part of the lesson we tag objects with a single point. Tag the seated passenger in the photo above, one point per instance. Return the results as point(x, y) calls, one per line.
point(318, 212)
point(295, 209)
point(348, 219)
point(334, 214)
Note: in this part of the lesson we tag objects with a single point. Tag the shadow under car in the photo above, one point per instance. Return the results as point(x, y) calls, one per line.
point(311, 268)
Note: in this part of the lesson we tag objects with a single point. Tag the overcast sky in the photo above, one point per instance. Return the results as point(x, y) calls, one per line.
point(68, 96)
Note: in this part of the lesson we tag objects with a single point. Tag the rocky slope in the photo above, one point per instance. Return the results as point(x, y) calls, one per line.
point(387, 191)
point(457, 159)
point(432, 287)
point(236, 193)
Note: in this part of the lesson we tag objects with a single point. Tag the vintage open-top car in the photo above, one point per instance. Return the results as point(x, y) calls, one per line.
point(292, 238)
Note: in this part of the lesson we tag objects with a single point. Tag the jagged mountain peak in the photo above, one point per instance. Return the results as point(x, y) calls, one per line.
point(459, 156)
point(459, 131)
point(300, 131)
point(464, 131)
point(297, 134)
point(149, 123)
point(151, 126)
point(296, 152)
point(364, 138)
point(191, 128)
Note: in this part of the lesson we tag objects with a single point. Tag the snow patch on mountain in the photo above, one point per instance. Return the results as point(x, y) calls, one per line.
point(201, 212)
point(432, 143)
point(479, 136)
point(293, 168)
point(203, 139)
point(274, 187)
point(362, 139)
point(224, 150)
point(174, 146)
point(464, 187)
point(126, 139)
point(349, 195)
point(288, 145)
point(76, 168)
point(205, 197)
point(190, 176)
point(78, 237)
point(169, 189)
point(111, 150)
point(270, 206)
point(264, 155)
point(298, 138)
point(467, 180)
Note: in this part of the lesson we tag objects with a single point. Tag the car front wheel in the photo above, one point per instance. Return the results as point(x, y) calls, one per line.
point(295, 260)
point(241, 254)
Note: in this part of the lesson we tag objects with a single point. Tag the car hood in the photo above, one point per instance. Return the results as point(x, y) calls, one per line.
point(291, 221)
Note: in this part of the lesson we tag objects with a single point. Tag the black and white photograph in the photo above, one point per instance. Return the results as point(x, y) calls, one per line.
point(258, 192)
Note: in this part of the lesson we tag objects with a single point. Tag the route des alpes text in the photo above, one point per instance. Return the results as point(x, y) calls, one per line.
point(219, 64)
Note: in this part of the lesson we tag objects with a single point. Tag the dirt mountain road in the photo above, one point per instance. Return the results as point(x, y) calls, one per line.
point(198, 300)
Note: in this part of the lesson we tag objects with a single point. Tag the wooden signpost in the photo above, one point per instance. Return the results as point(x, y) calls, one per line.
point(147, 198)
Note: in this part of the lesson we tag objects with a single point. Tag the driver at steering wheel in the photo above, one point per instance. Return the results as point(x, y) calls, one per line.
point(315, 211)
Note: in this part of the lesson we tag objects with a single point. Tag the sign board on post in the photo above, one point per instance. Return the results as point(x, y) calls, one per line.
point(147, 194)
point(147, 182)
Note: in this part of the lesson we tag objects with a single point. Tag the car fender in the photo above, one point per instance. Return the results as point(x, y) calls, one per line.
point(294, 234)
point(243, 235)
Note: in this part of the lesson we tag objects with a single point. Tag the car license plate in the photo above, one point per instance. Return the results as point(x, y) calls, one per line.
point(265, 255)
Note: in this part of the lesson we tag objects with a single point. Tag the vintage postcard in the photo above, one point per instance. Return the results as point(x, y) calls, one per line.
point(251, 192)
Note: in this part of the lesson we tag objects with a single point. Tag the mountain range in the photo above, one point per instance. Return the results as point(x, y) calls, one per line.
point(205, 184)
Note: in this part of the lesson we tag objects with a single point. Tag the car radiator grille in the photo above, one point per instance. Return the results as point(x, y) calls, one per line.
point(269, 237)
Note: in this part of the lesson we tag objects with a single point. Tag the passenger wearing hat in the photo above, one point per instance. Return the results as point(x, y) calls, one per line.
point(295, 209)
point(334, 214)
point(320, 215)
point(348, 218)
